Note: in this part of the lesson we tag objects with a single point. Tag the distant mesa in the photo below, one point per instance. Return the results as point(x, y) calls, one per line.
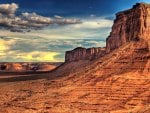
point(27, 67)
point(84, 54)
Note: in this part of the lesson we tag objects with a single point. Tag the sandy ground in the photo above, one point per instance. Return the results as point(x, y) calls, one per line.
point(116, 83)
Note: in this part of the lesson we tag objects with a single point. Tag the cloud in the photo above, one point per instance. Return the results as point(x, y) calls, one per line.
point(95, 43)
point(64, 21)
point(8, 8)
point(38, 21)
point(94, 24)
point(58, 17)
point(92, 15)
point(5, 45)
point(25, 22)
point(39, 49)
point(89, 28)
point(33, 17)
point(38, 56)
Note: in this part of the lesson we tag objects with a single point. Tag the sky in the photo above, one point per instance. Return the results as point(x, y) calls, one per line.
point(42, 30)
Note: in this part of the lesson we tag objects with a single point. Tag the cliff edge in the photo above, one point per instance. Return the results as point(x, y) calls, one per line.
point(81, 53)
point(130, 25)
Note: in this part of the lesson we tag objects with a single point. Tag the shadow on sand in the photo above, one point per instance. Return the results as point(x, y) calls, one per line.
point(22, 76)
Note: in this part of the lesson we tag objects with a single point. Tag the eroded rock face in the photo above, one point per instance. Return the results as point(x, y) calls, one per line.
point(130, 25)
point(84, 54)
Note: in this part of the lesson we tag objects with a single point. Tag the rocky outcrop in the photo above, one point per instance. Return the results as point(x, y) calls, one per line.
point(84, 54)
point(27, 67)
point(130, 25)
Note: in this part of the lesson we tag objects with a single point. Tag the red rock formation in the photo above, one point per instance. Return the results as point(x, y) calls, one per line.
point(25, 67)
point(84, 54)
point(130, 25)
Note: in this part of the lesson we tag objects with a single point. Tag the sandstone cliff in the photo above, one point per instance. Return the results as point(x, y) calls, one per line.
point(84, 54)
point(130, 25)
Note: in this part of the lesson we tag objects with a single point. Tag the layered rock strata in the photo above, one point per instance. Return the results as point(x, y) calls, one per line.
point(130, 25)
point(84, 54)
